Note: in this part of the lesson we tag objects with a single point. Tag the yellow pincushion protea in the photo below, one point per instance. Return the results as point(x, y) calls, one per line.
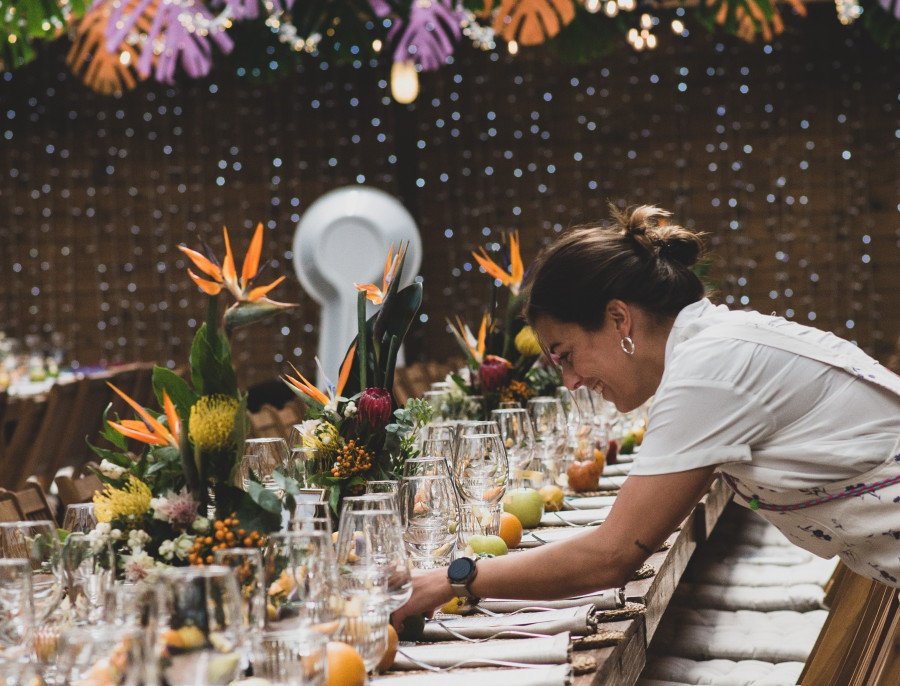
point(133, 500)
point(527, 342)
point(212, 421)
point(325, 438)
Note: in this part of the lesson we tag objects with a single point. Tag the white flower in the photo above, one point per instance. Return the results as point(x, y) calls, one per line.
point(350, 409)
point(308, 427)
point(167, 549)
point(138, 566)
point(110, 470)
point(159, 507)
point(183, 545)
point(115, 534)
point(201, 525)
point(138, 538)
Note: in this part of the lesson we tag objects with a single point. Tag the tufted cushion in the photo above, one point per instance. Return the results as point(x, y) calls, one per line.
point(672, 671)
point(814, 571)
point(798, 597)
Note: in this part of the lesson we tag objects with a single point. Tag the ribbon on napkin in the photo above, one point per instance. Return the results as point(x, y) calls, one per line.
point(545, 650)
point(555, 675)
point(580, 621)
point(609, 599)
point(591, 502)
point(577, 517)
point(536, 537)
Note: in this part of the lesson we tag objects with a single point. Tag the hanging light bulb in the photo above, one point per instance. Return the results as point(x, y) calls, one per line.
point(404, 82)
point(513, 47)
point(611, 8)
point(646, 21)
point(677, 26)
point(592, 6)
point(627, 5)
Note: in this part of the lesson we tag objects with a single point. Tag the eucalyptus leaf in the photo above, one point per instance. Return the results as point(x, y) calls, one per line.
point(263, 497)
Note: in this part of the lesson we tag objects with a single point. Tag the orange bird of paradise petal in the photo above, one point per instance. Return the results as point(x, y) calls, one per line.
point(374, 294)
point(307, 388)
point(148, 429)
point(513, 278)
point(345, 370)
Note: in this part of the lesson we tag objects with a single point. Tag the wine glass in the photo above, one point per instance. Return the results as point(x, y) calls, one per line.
point(262, 456)
point(308, 466)
point(38, 542)
point(549, 422)
point(90, 567)
point(439, 447)
point(371, 556)
point(301, 581)
point(517, 433)
point(101, 654)
point(382, 486)
point(16, 619)
point(480, 468)
point(427, 465)
point(79, 517)
point(201, 625)
point(428, 509)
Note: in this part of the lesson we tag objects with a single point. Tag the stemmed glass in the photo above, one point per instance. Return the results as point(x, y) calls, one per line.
point(428, 509)
point(550, 431)
point(365, 628)
point(101, 654)
point(90, 567)
point(16, 619)
point(307, 466)
point(263, 456)
point(301, 581)
point(427, 465)
point(480, 468)
point(38, 542)
point(517, 433)
point(201, 625)
point(371, 555)
point(79, 517)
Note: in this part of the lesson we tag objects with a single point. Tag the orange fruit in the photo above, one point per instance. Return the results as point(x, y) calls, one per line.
point(388, 658)
point(345, 665)
point(510, 529)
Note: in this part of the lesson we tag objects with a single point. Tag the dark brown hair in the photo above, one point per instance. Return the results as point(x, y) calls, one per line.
point(638, 258)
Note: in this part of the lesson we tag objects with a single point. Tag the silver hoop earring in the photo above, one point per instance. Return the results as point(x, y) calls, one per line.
point(627, 345)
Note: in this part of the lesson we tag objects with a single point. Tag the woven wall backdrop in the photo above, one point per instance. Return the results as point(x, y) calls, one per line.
point(788, 155)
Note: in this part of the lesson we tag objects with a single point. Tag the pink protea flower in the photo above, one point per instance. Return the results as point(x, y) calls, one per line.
point(494, 373)
point(180, 508)
point(375, 407)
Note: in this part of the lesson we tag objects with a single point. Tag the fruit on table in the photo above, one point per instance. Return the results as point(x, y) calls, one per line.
point(629, 440)
point(454, 606)
point(345, 665)
point(584, 475)
point(489, 545)
point(413, 626)
point(388, 658)
point(612, 453)
point(525, 503)
point(510, 529)
point(553, 498)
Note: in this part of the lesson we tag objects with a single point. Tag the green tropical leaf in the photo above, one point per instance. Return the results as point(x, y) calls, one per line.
point(263, 497)
point(211, 368)
point(179, 391)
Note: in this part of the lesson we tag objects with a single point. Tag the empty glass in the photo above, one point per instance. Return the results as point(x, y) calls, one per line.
point(549, 422)
point(365, 628)
point(101, 655)
point(429, 510)
point(427, 465)
point(517, 433)
point(262, 456)
point(308, 466)
point(79, 517)
point(38, 542)
point(90, 567)
point(201, 625)
point(16, 618)
point(290, 658)
point(480, 468)
point(247, 564)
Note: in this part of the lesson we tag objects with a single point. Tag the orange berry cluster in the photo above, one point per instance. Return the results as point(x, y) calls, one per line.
point(226, 533)
point(351, 459)
point(516, 391)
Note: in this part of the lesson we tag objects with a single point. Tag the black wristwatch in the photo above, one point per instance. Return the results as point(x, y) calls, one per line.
point(461, 573)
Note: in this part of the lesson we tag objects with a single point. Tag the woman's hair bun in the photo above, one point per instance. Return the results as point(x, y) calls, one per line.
point(648, 226)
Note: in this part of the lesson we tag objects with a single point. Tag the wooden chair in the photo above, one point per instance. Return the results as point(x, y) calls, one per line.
point(32, 502)
point(29, 413)
point(859, 644)
point(9, 508)
point(88, 421)
point(77, 489)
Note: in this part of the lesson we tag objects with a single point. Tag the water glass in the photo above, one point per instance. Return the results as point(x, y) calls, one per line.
point(365, 629)
point(371, 556)
point(90, 567)
point(301, 582)
point(517, 433)
point(79, 518)
point(38, 542)
point(16, 616)
point(308, 466)
point(427, 465)
point(101, 655)
point(201, 626)
point(437, 447)
point(550, 429)
point(291, 658)
point(477, 520)
point(429, 510)
point(383, 486)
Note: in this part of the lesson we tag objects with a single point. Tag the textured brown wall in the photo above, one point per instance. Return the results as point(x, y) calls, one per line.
point(789, 158)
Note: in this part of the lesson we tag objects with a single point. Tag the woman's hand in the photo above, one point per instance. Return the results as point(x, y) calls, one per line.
point(431, 589)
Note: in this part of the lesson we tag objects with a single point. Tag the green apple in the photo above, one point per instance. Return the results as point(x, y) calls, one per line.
point(413, 626)
point(525, 503)
point(490, 544)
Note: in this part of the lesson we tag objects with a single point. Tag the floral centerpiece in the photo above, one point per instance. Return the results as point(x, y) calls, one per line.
point(175, 501)
point(355, 423)
point(502, 361)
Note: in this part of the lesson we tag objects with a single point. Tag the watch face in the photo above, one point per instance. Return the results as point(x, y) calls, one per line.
point(460, 569)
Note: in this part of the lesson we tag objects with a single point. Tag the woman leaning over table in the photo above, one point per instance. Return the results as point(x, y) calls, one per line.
point(801, 424)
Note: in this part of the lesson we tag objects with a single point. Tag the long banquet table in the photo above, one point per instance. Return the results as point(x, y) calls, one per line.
point(615, 654)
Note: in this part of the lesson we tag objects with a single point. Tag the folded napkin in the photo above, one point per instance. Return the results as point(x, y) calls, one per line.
point(617, 469)
point(591, 502)
point(556, 675)
point(610, 599)
point(546, 650)
point(532, 539)
point(580, 621)
point(578, 517)
point(611, 482)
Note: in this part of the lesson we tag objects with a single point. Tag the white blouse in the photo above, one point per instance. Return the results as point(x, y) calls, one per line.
point(762, 413)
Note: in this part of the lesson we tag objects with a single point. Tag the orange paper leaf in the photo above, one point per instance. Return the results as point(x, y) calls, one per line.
point(531, 22)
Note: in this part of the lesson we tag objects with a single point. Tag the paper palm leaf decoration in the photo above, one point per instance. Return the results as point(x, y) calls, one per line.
point(747, 18)
point(531, 22)
point(428, 37)
point(103, 71)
